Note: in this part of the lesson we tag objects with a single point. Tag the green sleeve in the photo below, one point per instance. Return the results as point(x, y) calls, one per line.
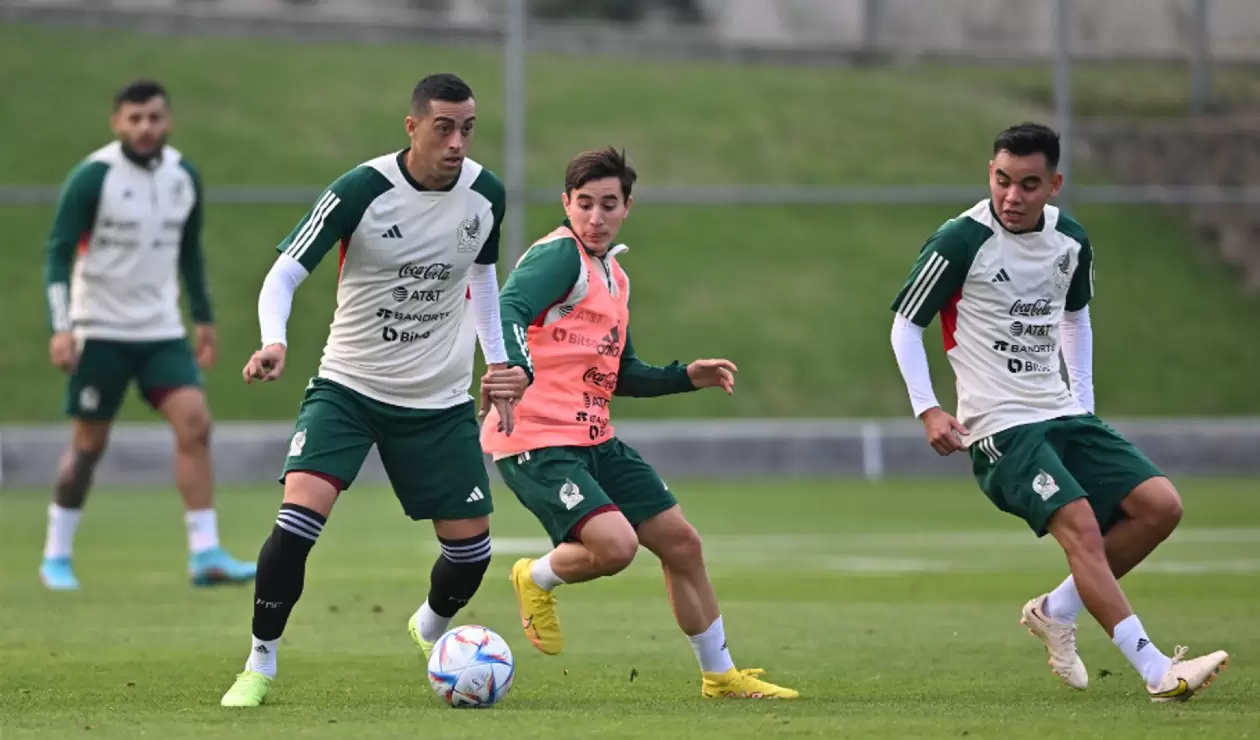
point(491, 188)
point(941, 269)
point(335, 216)
point(544, 277)
point(192, 265)
point(73, 221)
point(1081, 291)
point(637, 379)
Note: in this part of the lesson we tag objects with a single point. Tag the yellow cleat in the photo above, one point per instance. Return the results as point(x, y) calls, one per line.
point(538, 610)
point(413, 629)
point(737, 684)
point(250, 690)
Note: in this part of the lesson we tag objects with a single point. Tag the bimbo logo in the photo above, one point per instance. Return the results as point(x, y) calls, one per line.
point(1040, 307)
point(436, 271)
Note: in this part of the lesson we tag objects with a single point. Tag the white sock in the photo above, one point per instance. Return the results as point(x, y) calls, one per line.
point(432, 625)
point(543, 575)
point(1064, 604)
point(262, 657)
point(1149, 662)
point(62, 524)
point(203, 530)
point(711, 651)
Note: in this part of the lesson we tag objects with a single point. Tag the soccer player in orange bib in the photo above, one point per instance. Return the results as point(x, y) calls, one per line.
point(565, 312)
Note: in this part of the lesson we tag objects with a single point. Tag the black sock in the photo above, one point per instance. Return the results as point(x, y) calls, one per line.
point(457, 573)
point(282, 568)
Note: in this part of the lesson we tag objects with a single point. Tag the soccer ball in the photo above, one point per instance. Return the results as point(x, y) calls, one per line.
point(471, 666)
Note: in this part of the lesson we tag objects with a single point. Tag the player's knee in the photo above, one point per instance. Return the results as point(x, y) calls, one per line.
point(1162, 504)
point(1076, 528)
point(193, 430)
point(615, 552)
point(684, 548)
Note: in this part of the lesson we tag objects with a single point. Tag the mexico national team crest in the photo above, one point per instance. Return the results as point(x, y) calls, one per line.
point(1063, 270)
point(297, 443)
point(469, 230)
point(570, 494)
point(1044, 485)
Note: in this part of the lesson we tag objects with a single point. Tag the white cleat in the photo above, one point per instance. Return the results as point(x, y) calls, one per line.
point(1185, 677)
point(1060, 642)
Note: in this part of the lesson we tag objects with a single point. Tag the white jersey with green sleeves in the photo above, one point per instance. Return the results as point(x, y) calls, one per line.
point(1000, 297)
point(403, 332)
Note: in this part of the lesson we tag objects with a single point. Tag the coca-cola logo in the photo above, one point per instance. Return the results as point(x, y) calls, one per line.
point(435, 271)
point(600, 379)
point(1039, 307)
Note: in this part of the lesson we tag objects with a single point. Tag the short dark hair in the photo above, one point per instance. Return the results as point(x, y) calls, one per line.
point(1029, 138)
point(443, 86)
point(140, 91)
point(596, 164)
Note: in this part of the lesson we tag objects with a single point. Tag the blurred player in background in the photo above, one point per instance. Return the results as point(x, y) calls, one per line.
point(566, 315)
point(1012, 278)
point(128, 226)
point(418, 238)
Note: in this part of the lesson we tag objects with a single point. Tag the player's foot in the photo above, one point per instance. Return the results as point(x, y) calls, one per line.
point(1060, 642)
point(213, 566)
point(1186, 677)
point(250, 690)
point(737, 684)
point(57, 574)
point(538, 610)
point(413, 629)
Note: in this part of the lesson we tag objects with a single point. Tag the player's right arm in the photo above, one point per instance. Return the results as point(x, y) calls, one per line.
point(545, 275)
point(934, 282)
point(331, 221)
point(72, 224)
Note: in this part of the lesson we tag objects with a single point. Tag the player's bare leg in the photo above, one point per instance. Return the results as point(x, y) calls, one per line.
point(1167, 679)
point(1151, 513)
point(606, 546)
point(672, 539)
point(457, 574)
point(186, 411)
point(74, 480)
point(308, 501)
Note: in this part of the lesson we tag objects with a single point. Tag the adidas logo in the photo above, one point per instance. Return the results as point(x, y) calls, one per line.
point(393, 233)
point(1001, 277)
point(476, 495)
point(262, 649)
point(1142, 642)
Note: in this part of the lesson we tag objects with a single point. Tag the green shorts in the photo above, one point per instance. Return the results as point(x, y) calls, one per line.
point(1032, 471)
point(106, 367)
point(565, 486)
point(432, 457)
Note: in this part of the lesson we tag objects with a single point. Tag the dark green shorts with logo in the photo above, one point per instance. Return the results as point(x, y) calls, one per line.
point(433, 457)
point(106, 368)
point(1033, 470)
point(562, 486)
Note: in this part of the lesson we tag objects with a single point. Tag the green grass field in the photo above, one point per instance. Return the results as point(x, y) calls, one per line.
point(797, 296)
point(892, 607)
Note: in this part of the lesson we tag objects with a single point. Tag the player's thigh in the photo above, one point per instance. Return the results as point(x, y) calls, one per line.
point(434, 462)
point(1106, 464)
point(1022, 474)
point(556, 485)
point(164, 367)
point(633, 485)
point(331, 436)
point(98, 384)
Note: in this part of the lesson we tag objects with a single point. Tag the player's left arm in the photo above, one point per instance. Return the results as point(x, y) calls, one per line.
point(638, 379)
point(483, 281)
point(1076, 332)
point(192, 269)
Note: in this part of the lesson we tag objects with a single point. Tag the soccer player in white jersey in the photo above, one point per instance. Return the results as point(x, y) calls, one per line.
point(1011, 279)
point(418, 235)
point(127, 229)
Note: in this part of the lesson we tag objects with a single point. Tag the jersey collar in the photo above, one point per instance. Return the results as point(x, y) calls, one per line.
point(413, 182)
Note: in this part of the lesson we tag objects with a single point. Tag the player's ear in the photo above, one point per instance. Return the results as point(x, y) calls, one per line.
point(629, 202)
point(1057, 181)
point(564, 200)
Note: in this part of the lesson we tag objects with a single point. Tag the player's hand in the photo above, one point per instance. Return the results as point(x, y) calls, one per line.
point(503, 382)
point(207, 345)
point(64, 351)
point(267, 364)
point(942, 431)
point(713, 374)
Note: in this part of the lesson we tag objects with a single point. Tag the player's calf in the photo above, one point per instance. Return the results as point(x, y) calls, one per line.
point(457, 574)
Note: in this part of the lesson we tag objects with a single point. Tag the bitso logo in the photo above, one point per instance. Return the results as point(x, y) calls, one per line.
point(559, 334)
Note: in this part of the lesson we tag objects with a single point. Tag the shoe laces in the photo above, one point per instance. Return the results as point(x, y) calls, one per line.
point(1179, 654)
